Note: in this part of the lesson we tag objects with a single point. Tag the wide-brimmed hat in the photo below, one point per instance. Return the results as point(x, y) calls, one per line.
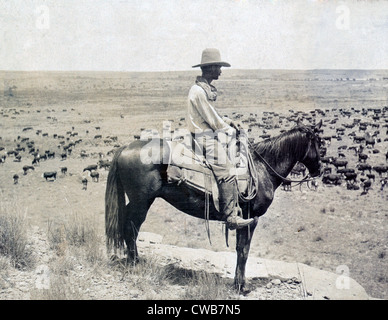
point(211, 56)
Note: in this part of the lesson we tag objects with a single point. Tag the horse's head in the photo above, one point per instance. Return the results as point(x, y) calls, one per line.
point(312, 158)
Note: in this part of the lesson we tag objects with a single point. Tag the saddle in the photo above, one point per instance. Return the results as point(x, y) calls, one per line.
point(188, 166)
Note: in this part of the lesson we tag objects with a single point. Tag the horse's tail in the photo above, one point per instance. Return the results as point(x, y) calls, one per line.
point(114, 207)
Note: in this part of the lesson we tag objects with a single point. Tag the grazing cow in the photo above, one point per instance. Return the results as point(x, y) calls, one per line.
point(334, 179)
point(371, 177)
point(63, 156)
point(350, 177)
point(15, 179)
point(339, 163)
point(64, 170)
point(95, 176)
point(370, 141)
point(12, 152)
point(352, 186)
point(363, 167)
point(327, 170)
point(90, 168)
point(84, 184)
point(50, 175)
point(354, 148)
point(104, 164)
point(26, 168)
point(83, 154)
point(322, 151)
point(366, 185)
point(327, 160)
point(358, 139)
point(380, 169)
point(35, 160)
point(327, 140)
point(362, 157)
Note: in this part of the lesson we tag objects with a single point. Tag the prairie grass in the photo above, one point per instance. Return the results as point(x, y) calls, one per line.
point(208, 286)
point(78, 249)
point(13, 236)
point(78, 234)
point(78, 259)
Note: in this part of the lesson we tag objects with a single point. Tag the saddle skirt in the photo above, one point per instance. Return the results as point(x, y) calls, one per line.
point(187, 166)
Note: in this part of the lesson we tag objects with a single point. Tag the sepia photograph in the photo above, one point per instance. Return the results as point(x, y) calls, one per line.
point(172, 151)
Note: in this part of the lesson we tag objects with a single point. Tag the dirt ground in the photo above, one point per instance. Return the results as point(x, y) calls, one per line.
point(330, 228)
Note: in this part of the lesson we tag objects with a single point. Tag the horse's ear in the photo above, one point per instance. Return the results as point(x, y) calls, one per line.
point(318, 126)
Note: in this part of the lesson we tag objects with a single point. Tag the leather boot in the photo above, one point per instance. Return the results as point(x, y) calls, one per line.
point(228, 195)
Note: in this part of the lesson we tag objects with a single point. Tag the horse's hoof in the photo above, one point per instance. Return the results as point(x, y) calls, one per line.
point(242, 289)
point(245, 291)
point(132, 261)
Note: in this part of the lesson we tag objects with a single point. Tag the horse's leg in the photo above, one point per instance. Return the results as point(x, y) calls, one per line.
point(243, 243)
point(136, 212)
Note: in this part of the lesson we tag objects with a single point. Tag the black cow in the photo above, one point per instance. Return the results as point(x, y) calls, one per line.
point(370, 141)
point(90, 168)
point(104, 164)
point(50, 175)
point(95, 176)
point(362, 157)
point(26, 168)
point(335, 179)
point(364, 166)
point(84, 184)
point(350, 177)
point(366, 185)
point(380, 169)
point(339, 163)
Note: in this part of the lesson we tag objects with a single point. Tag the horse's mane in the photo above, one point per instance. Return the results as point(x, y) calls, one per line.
point(288, 142)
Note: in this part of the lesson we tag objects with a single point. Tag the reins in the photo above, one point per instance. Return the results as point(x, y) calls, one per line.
point(284, 179)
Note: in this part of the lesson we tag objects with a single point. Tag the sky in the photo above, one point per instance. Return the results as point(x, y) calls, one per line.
point(169, 35)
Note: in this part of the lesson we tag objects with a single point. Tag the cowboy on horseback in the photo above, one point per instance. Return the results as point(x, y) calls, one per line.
point(205, 124)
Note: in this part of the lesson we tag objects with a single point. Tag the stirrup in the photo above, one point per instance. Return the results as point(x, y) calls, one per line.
point(236, 222)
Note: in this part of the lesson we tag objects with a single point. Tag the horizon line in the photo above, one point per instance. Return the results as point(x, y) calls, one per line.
point(191, 70)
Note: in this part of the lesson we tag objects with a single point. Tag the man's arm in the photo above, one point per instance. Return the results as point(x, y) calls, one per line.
point(208, 113)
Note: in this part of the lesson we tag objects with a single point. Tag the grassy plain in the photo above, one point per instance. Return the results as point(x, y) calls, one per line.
point(327, 228)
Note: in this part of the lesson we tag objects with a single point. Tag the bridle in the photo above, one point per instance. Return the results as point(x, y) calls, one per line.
point(307, 177)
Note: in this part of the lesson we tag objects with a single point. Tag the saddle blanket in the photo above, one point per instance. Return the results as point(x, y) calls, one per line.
point(186, 166)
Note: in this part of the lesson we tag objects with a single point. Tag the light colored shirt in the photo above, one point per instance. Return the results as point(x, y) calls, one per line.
point(202, 115)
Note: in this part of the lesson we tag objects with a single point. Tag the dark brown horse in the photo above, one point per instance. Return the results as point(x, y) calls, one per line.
point(143, 182)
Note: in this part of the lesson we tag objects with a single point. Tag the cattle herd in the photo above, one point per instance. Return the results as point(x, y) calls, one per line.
point(354, 145)
point(353, 149)
point(38, 152)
